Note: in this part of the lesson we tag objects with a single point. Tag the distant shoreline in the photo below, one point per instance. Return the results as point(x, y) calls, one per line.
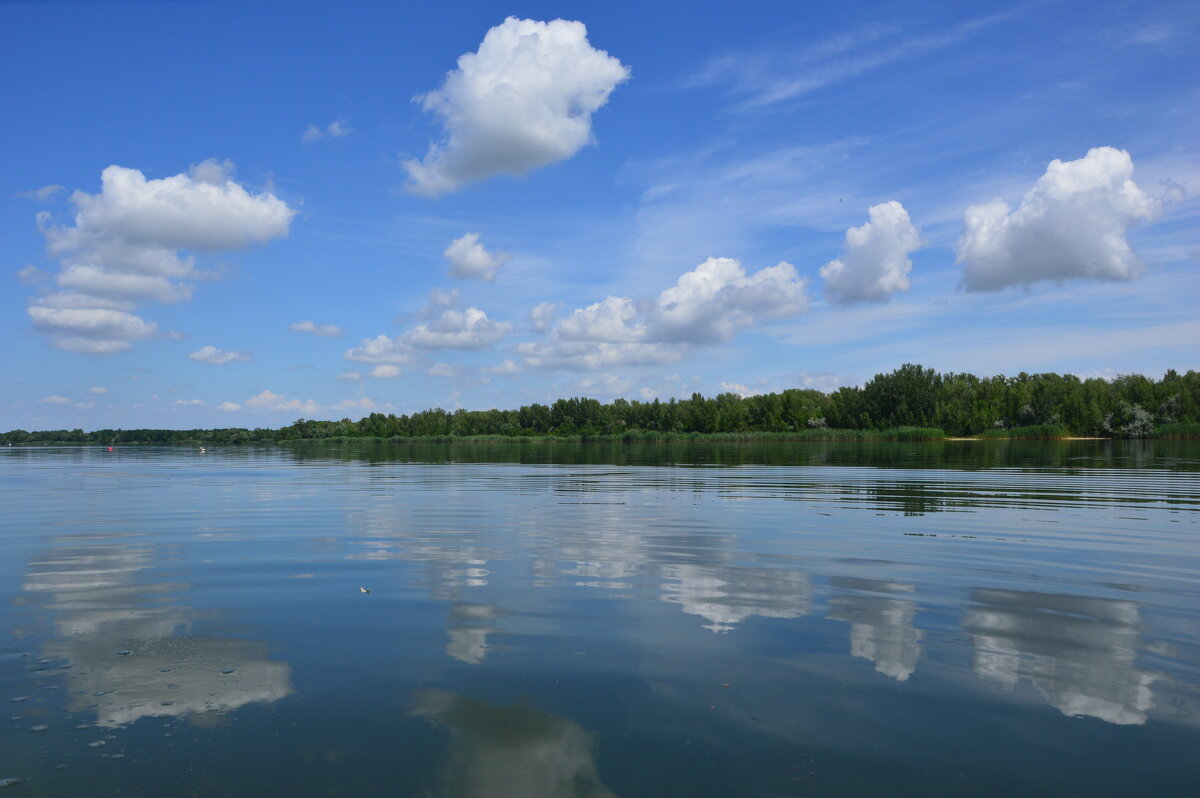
point(896, 435)
point(911, 403)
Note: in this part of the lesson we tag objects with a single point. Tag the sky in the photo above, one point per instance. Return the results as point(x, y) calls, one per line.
point(239, 214)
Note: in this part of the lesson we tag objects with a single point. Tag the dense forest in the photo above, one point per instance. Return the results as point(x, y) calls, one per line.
point(912, 398)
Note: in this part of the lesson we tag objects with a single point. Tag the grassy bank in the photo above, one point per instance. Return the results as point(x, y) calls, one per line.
point(1034, 432)
point(1186, 429)
point(632, 436)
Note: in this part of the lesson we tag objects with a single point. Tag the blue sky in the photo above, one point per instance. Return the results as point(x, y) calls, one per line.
point(238, 214)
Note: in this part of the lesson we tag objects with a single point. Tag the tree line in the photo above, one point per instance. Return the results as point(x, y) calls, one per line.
point(912, 396)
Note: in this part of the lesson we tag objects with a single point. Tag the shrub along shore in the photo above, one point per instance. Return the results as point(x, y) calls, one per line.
point(911, 403)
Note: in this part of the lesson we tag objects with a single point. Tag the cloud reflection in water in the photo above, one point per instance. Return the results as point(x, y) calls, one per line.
point(511, 752)
point(881, 627)
point(1080, 653)
point(160, 670)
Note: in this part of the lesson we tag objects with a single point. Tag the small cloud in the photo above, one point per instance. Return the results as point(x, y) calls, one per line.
point(269, 400)
point(189, 402)
point(99, 390)
point(43, 194)
point(229, 407)
point(455, 329)
point(85, 405)
point(31, 274)
point(355, 404)
point(875, 263)
point(380, 349)
point(263, 400)
point(350, 376)
point(325, 330)
point(443, 370)
point(217, 357)
point(470, 261)
point(604, 384)
point(385, 372)
point(542, 316)
point(55, 400)
point(334, 130)
point(507, 367)
point(741, 390)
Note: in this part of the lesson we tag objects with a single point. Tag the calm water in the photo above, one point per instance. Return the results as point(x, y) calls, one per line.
point(967, 619)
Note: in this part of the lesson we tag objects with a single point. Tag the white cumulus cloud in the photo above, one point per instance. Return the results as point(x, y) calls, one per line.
point(219, 357)
point(127, 245)
point(381, 349)
point(875, 263)
point(99, 390)
point(469, 260)
point(269, 400)
point(708, 304)
point(457, 329)
point(542, 315)
point(325, 330)
point(615, 320)
point(711, 302)
point(524, 100)
point(740, 389)
point(55, 400)
point(1070, 225)
point(91, 330)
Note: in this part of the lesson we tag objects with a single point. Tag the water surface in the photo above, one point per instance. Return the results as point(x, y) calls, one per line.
point(691, 619)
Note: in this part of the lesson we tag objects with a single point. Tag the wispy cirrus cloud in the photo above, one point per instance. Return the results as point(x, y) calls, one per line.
point(336, 129)
point(758, 79)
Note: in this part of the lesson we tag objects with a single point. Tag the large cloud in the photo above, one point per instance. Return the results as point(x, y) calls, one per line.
point(127, 243)
point(469, 260)
point(524, 100)
point(708, 304)
point(1070, 225)
point(875, 262)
